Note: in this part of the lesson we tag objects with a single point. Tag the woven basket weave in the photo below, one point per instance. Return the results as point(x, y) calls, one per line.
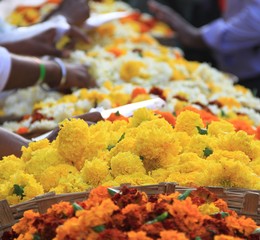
point(243, 201)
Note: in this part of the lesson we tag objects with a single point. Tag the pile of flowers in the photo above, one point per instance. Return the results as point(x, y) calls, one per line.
point(132, 215)
point(143, 149)
point(124, 53)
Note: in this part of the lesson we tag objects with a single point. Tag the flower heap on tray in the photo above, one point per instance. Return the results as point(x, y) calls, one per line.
point(122, 54)
point(131, 215)
point(190, 149)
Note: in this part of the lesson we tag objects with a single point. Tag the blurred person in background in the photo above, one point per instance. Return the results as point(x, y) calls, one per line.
point(234, 38)
point(197, 13)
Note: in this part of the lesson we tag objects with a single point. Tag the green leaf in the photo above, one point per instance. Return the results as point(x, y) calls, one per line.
point(121, 138)
point(174, 114)
point(257, 231)
point(112, 191)
point(36, 237)
point(99, 229)
point(142, 158)
point(117, 113)
point(207, 151)
point(197, 238)
point(254, 92)
point(19, 191)
point(76, 207)
point(222, 113)
point(224, 214)
point(160, 218)
point(184, 195)
point(110, 146)
point(202, 131)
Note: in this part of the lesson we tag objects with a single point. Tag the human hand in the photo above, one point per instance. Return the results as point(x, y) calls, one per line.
point(75, 11)
point(44, 43)
point(78, 76)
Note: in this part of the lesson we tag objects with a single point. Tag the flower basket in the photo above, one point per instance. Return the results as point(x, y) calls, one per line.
point(244, 201)
point(9, 215)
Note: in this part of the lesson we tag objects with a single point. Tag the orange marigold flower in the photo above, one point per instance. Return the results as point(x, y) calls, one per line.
point(167, 116)
point(245, 226)
point(116, 116)
point(172, 235)
point(61, 209)
point(206, 117)
point(25, 224)
point(138, 236)
point(96, 196)
point(137, 91)
point(187, 217)
point(225, 237)
point(242, 125)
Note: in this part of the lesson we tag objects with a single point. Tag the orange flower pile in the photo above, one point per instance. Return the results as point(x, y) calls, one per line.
point(131, 215)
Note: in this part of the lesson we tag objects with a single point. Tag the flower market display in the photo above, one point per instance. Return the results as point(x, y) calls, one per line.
point(132, 215)
point(148, 148)
point(206, 134)
point(122, 55)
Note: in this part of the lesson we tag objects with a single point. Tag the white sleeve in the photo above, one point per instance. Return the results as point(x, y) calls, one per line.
point(5, 67)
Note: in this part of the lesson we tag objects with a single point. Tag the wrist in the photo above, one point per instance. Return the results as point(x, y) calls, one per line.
point(53, 74)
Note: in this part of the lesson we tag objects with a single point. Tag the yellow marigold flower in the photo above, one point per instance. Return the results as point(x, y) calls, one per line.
point(126, 145)
point(157, 133)
point(111, 183)
point(137, 235)
point(237, 174)
point(191, 162)
point(95, 172)
point(229, 102)
point(208, 209)
point(141, 97)
point(255, 166)
point(135, 179)
point(51, 176)
point(33, 146)
point(199, 143)
point(71, 183)
point(188, 121)
point(183, 138)
point(160, 175)
point(141, 115)
point(185, 179)
point(42, 159)
point(235, 155)
point(119, 98)
point(9, 166)
point(131, 69)
point(244, 225)
point(172, 235)
point(28, 188)
point(238, 141)
point(72, 141)
point(125, 163)
point(220, 128)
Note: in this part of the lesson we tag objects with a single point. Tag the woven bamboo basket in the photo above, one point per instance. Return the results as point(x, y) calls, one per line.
point(243, 201)
point(9, 215)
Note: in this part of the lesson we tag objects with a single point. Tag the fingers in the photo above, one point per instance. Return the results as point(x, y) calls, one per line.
point(76, 34)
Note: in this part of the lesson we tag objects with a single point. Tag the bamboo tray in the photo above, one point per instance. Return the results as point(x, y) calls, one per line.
point(9, 215)
point(244, 201)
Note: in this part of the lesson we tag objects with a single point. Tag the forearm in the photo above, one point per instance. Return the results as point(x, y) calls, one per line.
point(11, 143)
point(188, 35)
point(25, 72)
